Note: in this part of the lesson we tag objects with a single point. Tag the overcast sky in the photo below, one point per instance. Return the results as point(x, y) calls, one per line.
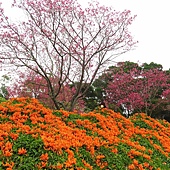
point(151, 28)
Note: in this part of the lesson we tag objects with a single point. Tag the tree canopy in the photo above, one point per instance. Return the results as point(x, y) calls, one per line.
point(62, 43)
point(137, 88)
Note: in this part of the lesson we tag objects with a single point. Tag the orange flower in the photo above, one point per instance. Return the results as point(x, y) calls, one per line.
point(92, 150)
point(9, 165)
point(146, 156)
point(135, 162)
point(146, 164)
point(8, 168)
point(131, 167)
point(115, 150)
point(140, 167)
point(150, 168)
point(44, 157)
point(7, 153)
point(43, 164)
point(150, 151)
point(35, 135)
point(70, 162)
point(1, 143)
point(8, 146)
point(133, 153)
point(22, 151)
point(87, 164)
point(59, 166)
point(6, 164)
point(100, 156)
point(14, 136)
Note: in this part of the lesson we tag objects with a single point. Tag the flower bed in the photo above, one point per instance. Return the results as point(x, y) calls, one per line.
point(34, 137)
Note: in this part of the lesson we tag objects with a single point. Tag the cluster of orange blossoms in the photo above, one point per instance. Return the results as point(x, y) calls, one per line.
point(59, 134)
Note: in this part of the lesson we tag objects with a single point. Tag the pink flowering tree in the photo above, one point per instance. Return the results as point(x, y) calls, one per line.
point(30, 84)
point(139, 90)
point(62, 43)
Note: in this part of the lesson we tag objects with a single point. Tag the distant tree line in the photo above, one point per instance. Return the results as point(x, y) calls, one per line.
point(126, 87)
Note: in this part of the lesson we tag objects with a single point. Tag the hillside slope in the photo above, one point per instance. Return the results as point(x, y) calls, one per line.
point(34, 137)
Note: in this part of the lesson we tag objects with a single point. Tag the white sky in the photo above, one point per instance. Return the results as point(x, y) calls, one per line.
point(151, 28)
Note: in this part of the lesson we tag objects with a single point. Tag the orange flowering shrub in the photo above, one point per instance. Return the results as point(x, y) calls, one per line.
point(35, 137)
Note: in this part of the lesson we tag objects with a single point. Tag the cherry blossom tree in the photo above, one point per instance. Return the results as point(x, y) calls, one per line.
point(30, 84)
point(139, 90)
point(62, 42)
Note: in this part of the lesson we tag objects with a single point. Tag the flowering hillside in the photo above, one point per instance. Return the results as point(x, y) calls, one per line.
point(34, 137)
